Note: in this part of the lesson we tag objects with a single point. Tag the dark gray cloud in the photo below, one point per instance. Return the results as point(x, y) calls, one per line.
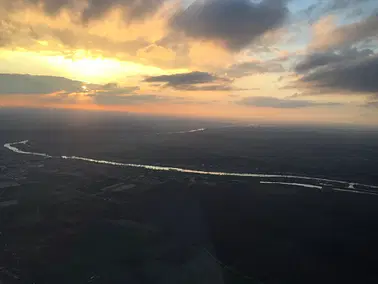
point(133, 9)
point(16, 84)
point(110, 86)
point(95, 9)
point(320, 59)
point(65, 89)
point(193, 81)
point(195, 77)
point(112, 94)
point(115, 89)
point(250, 68)
point(237, 23)
point(30, 84)
point(207, 88)
point(316, 60)
point(353, 76)
point(134, 99)
point(272, 102)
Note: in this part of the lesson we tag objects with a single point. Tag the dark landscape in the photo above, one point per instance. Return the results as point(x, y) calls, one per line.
point(73, 221)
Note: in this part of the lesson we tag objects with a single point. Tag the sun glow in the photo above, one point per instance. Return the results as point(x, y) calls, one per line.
point(99, 69)
point(94, 68)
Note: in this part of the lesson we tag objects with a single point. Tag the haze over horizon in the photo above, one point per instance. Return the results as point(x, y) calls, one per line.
point(308, 61)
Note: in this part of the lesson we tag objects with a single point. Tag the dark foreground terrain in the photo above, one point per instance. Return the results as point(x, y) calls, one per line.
point(67, 221)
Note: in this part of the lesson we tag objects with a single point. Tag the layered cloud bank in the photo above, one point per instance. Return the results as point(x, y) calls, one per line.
point(245, 58)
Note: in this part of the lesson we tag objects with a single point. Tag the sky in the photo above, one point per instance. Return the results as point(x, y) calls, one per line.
point(300, 61)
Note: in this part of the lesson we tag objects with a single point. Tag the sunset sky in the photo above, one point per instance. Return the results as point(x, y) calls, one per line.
point(282, 60)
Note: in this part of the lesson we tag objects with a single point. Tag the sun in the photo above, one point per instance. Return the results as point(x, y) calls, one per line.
point(95, 68)
point(99, 69)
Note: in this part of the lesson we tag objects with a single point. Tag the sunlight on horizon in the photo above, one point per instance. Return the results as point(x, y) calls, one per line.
point(100, 69)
